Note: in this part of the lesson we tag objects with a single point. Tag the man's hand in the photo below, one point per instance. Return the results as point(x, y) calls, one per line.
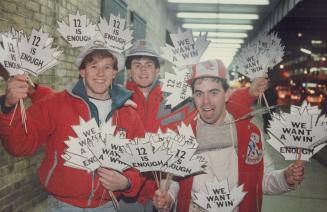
point(294, 174)
point(112, 180)
point(17, 89)
point(162, 200)
point(258, 86)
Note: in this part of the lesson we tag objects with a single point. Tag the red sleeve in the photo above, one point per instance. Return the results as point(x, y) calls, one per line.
point(14, 138)
point(136, 179)
point(40, 92)
point(240, 102)
point(184, 194)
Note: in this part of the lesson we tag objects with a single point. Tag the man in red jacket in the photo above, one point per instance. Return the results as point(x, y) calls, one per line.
point(143, 66)
point(234, 151)
point(49, 123)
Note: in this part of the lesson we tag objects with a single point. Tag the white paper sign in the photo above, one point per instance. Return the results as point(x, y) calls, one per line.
point(218, 197)
point(298, 132)
point(144, 158)
point(177, 87)
point(184, 161)
point(9, 55)
point(116, 34)
point(256, 58)
point(79, 30)
point(95, 147)
point(184, 50)
point(36, 54)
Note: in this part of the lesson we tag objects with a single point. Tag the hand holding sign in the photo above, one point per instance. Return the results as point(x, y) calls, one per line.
point(294, 174)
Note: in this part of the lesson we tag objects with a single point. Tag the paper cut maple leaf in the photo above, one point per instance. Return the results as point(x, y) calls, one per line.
point(300, 130)
point(9, 54)
point(78, 31)
point(116, 34)
point(94, 148)
point(110, 154)
point(218, 198)
point(184, 161)
point(251, 64)
point(184, 50)
point(144, 158)
point(36, 53)
point(177, 87)
point(262, 54)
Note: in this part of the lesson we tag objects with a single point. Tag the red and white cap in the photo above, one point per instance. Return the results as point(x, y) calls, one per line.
point(209, 68)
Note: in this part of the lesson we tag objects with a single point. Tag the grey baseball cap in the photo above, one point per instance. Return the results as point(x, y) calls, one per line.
point(144, 48)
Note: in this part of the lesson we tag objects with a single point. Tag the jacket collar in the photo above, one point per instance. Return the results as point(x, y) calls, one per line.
point(118, 94)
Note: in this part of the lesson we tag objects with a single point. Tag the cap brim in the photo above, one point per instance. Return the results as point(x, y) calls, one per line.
point(120, 58)
point(190, 81)
point(160, 59)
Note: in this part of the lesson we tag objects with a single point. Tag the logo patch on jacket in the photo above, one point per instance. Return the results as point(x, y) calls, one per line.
point(122, 132)
point(254, 154)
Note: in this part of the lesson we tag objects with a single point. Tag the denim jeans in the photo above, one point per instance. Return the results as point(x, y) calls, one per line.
point(126, 206)
point(55, 205)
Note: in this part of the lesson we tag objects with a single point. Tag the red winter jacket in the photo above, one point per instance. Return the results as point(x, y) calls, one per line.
point(249, 175)
point(147, 107)
point(49, 123)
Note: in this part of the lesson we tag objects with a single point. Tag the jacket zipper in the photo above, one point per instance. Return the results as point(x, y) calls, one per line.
point(50, 172)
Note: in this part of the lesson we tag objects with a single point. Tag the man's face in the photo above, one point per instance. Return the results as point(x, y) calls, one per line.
point(143, 72)
point(209, 98)
point(98, 76)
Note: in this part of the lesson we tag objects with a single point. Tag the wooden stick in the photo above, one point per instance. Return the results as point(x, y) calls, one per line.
point(114, 200)
point(266, 102)
point(298, 158)
point(156, 178)
point(23, 114)
point(29, 80)
point(13, 115)
point(168, 181)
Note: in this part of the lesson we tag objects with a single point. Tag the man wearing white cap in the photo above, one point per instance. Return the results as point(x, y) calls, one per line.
point(234, 151)
point(50, 121)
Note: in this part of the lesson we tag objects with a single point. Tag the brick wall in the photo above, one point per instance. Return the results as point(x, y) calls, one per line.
point(19, 186)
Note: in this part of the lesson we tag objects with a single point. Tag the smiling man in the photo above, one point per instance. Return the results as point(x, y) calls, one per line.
point(143, 66)
point(49, 124)
point(234, 151)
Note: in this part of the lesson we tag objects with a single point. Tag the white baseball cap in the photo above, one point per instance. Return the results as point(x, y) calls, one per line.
point(98, 45)
point(209, 68)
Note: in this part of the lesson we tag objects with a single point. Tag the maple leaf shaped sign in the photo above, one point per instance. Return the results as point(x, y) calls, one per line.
point(94, 148)
point(218, 197)
point(251, 64)
point(184, 50)
point(9, 54)
point(177, 87)
point(78, 31)
point(36, 53)
point(144, 158)
point(257, 57)
point(184, 161)
point(118, 37)
point(299, 130)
